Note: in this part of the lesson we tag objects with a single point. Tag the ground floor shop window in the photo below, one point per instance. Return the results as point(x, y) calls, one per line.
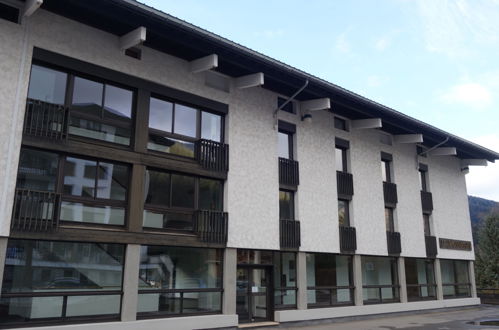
point(455, 278)
point(380, 280)
point(177, 281)
point(61, 281)
point(420, 279)
point(329, 280)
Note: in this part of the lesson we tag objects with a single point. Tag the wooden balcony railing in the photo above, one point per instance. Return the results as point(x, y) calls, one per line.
point(211, 226)
point(431, 246)
point(390, 193)
point(45, 120)
point(290, 234)
point(348, 239)
point(288, 172)
point(426, 202)
point(393, 240)
point(35, 211)
point(212, 155)
point(344, 183)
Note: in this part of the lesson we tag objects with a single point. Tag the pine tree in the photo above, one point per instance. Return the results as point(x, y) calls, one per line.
point(487, 254)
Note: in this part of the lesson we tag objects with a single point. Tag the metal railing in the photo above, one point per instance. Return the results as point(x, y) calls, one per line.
point(344, 183)
point(289, 232)
point(35, 210)
point(426, 201)
point(348, 239)
point(488, 295)
point(393, 241)
point(212, 155)
point(46, 120)
point(431, 246)
point(390, 193)
point(288, 172)
point(211, 226)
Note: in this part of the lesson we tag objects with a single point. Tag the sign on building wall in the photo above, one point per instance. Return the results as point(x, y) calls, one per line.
point(454, 244)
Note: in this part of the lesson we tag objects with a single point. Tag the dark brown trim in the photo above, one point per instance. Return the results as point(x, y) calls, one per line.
point(142, 121)
point(136, 198)
point(286, 127)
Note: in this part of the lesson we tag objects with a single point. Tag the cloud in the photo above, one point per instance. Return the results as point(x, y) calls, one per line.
point(470, 94)
point(375, 81)
point(484, 181)
point(342, 44)
point(382, 43)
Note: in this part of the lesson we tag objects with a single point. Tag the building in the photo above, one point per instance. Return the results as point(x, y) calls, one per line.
point(121, 202)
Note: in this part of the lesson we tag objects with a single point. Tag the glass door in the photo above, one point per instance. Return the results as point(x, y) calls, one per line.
point(253, 294)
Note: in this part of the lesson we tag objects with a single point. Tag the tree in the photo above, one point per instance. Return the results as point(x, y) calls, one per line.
point(487, 253)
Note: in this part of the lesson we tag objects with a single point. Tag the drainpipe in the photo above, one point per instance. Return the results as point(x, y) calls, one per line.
point(432, 148)
point(287, 101)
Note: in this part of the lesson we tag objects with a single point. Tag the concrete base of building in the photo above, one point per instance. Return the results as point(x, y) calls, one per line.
point(333, 312)
point(177, 323)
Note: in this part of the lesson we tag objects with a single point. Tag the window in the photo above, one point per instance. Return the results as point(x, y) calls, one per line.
point(92, 191)
point(379, 280)
point(173, 127)
point(47, 85)
point(341, 159)
point(285, 286)
point(285, 145)
point(426, 223)
point(44, 280)
point(179, 281)
point(423, 178)
point(340, 123)
point(343, 213)
point(389, 221)
point(385, 170)
point(329, 280)
point(420, 279)
point(286, 205)
point(455, 278)
point(172, 198)
point(9, 13)
point(288, 107)
point(385, 139)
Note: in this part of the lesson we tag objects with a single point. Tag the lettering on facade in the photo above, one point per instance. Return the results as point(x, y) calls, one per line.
point(454, 244)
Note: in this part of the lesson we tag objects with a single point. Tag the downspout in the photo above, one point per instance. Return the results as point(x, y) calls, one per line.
point(432, 148)
point(291, 98)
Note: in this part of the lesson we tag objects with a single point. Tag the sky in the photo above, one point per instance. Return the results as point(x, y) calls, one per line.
point(437, 61)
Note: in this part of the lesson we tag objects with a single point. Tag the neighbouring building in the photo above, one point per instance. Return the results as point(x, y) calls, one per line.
point(157, 175)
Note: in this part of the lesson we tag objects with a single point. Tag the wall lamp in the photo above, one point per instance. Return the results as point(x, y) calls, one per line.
point(307, 118)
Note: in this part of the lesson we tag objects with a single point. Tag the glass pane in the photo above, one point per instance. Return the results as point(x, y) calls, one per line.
point(210, 194)
point(118, 103)
point(166, 303)
point(185, 120)
point(340, 166)
point(283, 145)
point(160, 114)
point(34, 266)
point(157, 186)
point(383, 171)
point(343, 213)
point(211, 126)
point(47, 85)
point(165, 267)
point(29, 308)
point(170, 145)
point(87, 96)
point(285, 297)
point(389, 219)
point(448, 271)
point(37, 170)
point(286, 205)
point(255, 257)
point(168, 220)
point(462, 271)
point(79, 212)
point(284, 269)
point(182, 191)
point(95, 130)
point(79, 177)
point(202, 302)
point(379, 271)
point(93, 305)
point(112, 181)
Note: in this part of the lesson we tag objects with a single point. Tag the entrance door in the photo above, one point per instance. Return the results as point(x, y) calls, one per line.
point(254, 289)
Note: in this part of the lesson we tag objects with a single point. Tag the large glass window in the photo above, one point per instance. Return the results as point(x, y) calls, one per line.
point(455, 278)
point(379, 280)
point(178, 280)
point(420, 279)
point(173, 127)
point(329, 280)
point(171, 199)
point(50, 279)
point(47, 85)
point(37, 170)
point(286, 205)
point(284, 279)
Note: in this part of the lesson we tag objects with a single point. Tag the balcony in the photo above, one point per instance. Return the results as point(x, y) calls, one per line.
point(35, 211)
point(288, 172)
point(289, 232)
point(211, 226)
point(344, 183)
point(393, 241)
point(431, 246)
point(390, 193)
point(348, 239)
point(45, 120)
point(426, 202)
point(212, 155)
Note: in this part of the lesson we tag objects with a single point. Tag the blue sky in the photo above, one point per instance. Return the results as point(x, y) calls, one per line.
point(437, 61)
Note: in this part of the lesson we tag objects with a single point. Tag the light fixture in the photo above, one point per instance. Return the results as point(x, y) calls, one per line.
point(307, 118)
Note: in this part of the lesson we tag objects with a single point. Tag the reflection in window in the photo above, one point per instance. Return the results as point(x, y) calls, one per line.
point(379, 279)
point(47, 85)
point(37, 170)
point(343, 213)
point(455, 278)
point(341, 159)
point(389, 222)
point(211, 126)
point(286, 205)
point(285, 286)
point(52, 267)
point(160, 115)
point(420, 279)
point(182, 191)
point(185, 120)
point(284, 145)
point(210, 194)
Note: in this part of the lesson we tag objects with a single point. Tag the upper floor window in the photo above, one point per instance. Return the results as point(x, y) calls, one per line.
point(423, 177)
point(426, 224)
point(389, 219)
point(341, 149)
point(343, 213)
point(285, 145)
point(288, 107)
point(340, 123)
point(173, 127)
point(286, 205)
point(386, 167)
